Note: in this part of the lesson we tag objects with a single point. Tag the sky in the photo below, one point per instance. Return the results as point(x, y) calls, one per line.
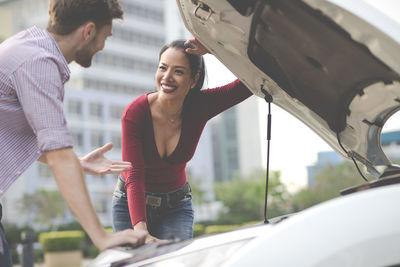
point(293, 145)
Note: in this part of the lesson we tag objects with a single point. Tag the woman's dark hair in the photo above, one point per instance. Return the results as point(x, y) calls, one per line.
point(196, 63)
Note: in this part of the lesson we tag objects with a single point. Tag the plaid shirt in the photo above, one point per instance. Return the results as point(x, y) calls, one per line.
point(33, 72)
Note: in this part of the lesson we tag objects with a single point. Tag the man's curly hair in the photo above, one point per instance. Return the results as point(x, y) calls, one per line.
point(68, 15)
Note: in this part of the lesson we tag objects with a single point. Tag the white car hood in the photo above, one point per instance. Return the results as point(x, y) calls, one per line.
point(322, 61)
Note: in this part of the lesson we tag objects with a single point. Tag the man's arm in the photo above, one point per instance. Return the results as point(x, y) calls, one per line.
point(95, 163)
point(67, 171)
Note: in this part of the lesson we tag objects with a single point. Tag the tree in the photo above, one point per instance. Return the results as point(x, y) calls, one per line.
point(198, 194)
point(329, 181)
point(47, 207)
point(243, 198)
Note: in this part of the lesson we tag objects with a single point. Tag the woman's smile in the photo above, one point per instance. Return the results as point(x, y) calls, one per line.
point(168, 88)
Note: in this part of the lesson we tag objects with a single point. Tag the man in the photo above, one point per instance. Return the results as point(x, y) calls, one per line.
point(33, 71)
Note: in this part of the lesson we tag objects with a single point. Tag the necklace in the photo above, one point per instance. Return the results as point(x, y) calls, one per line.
point(171, 118)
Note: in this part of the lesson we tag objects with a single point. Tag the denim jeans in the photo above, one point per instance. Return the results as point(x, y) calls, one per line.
point(5, 257)
point(168, 221)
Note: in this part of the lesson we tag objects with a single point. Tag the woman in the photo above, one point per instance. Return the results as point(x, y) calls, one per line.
point(160, 132)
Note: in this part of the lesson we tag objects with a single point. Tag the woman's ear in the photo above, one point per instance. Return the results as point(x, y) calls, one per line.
point(195, 79)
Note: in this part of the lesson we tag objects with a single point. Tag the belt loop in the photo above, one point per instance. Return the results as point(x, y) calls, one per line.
point(121, 184)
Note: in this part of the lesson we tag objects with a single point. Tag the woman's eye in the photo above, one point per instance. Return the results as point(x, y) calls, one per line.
point(162, 68)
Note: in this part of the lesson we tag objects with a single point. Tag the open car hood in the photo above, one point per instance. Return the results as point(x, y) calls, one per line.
point(321, 61)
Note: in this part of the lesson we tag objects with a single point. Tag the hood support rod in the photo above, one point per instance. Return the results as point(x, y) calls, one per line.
point(268, 99)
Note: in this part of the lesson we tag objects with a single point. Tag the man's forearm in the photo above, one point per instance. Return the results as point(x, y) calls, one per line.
point(68, 173)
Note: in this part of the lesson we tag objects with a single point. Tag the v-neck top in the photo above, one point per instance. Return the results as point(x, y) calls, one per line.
point(149, 171)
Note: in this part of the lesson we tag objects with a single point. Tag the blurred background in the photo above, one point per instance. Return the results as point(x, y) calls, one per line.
point(227, 173)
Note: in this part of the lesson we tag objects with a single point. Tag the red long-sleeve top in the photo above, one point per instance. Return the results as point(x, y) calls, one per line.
point(149, 171)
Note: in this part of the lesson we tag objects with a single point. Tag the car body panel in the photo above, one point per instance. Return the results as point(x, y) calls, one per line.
point(360, 229)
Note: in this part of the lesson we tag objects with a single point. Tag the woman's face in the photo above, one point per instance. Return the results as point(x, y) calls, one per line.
point(173, 76)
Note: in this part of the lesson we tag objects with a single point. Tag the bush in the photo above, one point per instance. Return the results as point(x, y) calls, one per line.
point(61, 241)
point(215, 229)
point(198, 230)
point(91, 252)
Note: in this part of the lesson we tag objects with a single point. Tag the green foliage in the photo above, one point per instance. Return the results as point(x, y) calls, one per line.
point(38, 255)
point(244, 198)
point(61, 241)
point(48, 207)
point(91, 252)
point(13, 237)
point(13, 233)
point(74, 225)
point(215, 229)
point(198, 193)
point(198, 230)
point(329, 181)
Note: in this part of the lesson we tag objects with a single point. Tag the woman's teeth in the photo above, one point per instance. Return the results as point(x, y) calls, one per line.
point(168, 88)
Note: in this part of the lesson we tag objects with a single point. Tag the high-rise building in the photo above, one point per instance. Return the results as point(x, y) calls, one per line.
point(237, 142)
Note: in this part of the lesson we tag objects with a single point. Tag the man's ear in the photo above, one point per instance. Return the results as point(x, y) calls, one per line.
point(89, 30)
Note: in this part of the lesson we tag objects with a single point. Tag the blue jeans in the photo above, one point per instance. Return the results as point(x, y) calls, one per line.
point(168, 221)
point(5, 257)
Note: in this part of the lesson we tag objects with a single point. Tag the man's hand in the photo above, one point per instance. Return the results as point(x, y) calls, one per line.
point(130, 237)
point(95, 162)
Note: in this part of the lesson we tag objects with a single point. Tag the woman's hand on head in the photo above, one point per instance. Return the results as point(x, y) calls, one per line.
point(198, 49)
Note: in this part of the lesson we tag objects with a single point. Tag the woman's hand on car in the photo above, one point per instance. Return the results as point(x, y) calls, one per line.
point(142, 226)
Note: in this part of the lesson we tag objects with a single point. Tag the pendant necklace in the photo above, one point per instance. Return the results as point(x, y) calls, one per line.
point(174, 117)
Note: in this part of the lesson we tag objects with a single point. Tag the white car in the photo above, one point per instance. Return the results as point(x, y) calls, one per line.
point(335, 65)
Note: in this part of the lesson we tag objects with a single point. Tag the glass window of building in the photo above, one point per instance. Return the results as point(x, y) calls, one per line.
point(96, 110)
point(75, 107)
point(116, 139)
point(137, 37)
point(141, 11)
point(77, 136)
point(123, 62)
point(96, 139)
point(116, 112)
point(114, 87)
